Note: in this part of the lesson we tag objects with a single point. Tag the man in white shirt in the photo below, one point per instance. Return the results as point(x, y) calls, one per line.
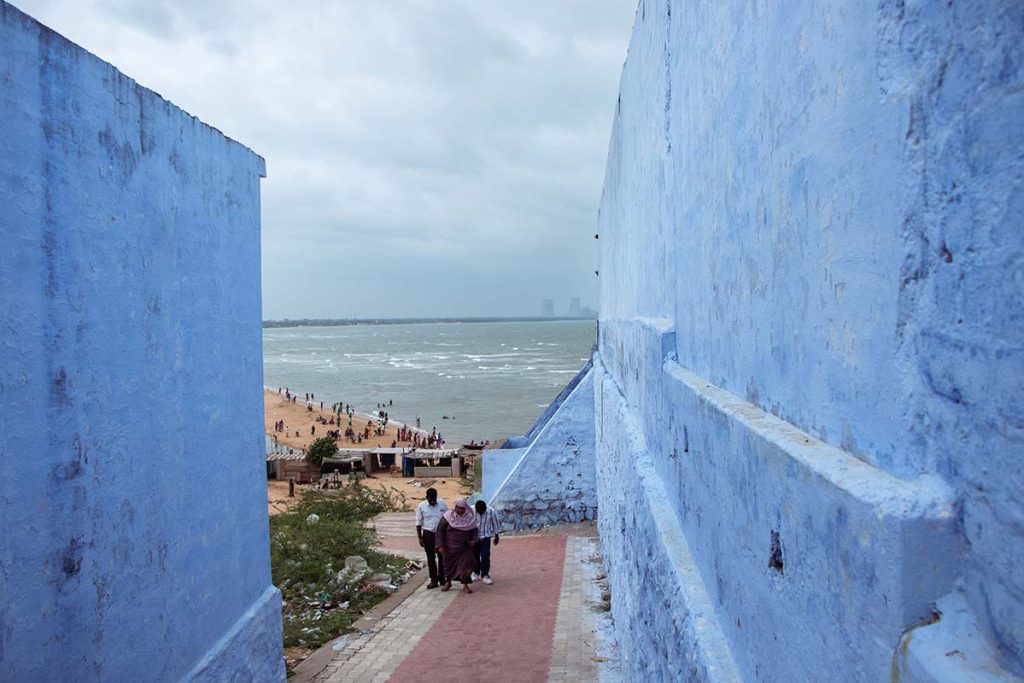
point(428, 514)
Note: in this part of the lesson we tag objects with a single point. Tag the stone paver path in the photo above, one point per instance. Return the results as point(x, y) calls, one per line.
point(394, 525)
point(371, 658)
point(576, 639)
point(396, 533)
point(505, 629)
point(536, 624)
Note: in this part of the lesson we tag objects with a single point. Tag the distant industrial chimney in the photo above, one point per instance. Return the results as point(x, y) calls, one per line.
point(547, 308)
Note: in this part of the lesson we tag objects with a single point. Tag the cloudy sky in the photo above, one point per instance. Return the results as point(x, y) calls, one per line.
point(424, 157)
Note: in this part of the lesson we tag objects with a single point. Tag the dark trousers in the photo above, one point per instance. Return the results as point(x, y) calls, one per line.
point(435, 567)
point(483, 556)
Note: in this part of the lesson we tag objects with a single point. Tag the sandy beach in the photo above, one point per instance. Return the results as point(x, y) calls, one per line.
point(299, 422)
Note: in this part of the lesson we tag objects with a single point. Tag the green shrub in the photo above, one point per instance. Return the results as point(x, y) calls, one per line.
point(324, 447)
point(306, 559)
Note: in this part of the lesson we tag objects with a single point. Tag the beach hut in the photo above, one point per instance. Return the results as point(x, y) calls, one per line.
point(383, 459)
point(432, 463)
point(350, 455)
point(293, 465)
point(345, 462)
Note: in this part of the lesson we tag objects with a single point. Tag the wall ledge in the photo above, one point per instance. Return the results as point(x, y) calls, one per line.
point(700, 616)
point(693, 615)
point(888, 546)
point(927, 495)
point(952, 648)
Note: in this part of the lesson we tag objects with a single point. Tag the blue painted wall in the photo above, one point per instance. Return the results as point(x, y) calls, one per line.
point(549, 412)
point(134, 501)
point(551, 480)
point(498, 462)
point(812, 260)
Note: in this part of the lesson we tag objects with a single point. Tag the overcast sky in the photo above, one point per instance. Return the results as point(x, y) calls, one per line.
point(424, 157)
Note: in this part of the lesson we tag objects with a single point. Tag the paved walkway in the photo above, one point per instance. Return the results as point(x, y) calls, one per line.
point(508, 628)
point(581, 634)
point(396, 533)
point(394, 525)
point(536, 624)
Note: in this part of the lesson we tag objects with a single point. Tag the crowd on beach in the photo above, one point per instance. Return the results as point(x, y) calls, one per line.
point(457, 541)
point(340, 425)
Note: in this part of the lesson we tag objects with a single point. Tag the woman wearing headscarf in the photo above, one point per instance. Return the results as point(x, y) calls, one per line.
point(455, 539)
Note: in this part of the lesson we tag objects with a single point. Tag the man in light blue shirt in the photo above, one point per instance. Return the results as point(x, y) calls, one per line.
point(428, 514)
point(488, 529)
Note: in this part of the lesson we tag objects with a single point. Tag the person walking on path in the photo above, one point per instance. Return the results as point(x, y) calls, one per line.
point(428, 516)
point(456, 541)
point(488, 528)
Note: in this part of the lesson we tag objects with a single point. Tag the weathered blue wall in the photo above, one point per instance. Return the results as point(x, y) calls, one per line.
point(498, 463)
point(552, 480)
point(812, 314)
point(549, 412)
point(133, 496)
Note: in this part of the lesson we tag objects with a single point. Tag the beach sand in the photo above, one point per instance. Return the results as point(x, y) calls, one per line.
point(298, 419)
point(277, 496)
point(448, 490)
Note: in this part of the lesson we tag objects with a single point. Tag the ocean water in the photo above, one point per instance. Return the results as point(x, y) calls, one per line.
point(492, 380)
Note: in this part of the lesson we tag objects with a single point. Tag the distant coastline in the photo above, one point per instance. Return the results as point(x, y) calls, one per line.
point(337, 322)
point(470, 381)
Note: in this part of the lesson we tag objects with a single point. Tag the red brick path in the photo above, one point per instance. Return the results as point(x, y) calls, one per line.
point(501, 632)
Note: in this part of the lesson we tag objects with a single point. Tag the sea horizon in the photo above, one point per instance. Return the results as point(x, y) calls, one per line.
point(487, 381)
point(343, 322)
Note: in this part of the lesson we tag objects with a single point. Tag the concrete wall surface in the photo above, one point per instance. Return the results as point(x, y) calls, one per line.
point(497, 463)
point(136, 543)
point(812, 338)
point(552, 480)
